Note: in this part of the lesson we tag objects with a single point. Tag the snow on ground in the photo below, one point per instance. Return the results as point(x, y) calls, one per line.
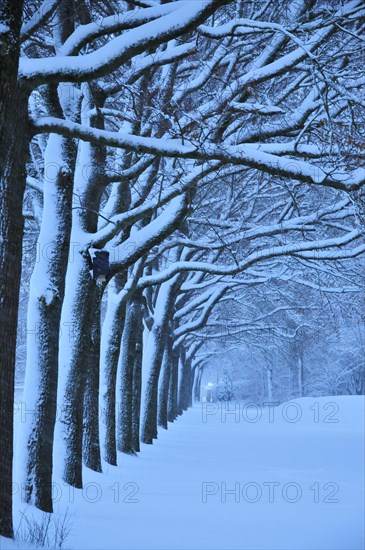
point(292, 479)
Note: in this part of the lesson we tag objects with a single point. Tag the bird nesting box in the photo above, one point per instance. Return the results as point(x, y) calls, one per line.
point(100, 262)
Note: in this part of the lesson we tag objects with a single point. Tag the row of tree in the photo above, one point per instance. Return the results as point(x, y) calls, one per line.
point(211, 148)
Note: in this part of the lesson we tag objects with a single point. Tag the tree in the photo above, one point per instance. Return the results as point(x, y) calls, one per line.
point(12, 184)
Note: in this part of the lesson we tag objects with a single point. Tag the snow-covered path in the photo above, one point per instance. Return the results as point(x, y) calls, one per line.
point(269, 484)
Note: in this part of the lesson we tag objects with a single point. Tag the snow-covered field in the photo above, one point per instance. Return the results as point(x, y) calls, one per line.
point(292, 479)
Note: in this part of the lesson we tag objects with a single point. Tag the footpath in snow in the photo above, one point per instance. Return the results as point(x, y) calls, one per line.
point(289, 477)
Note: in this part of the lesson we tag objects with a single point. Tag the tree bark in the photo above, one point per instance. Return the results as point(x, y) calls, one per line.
point(184, 382)
point(194, 376)
point(119, 201)
point(110, 349)
point(91, 440)
point(153, 355)
point(46, 294)
point(13, 113)
point(173, 388)
point(137, 373)
point(164, 386)
point(155, 350)
point(300, 372)
point(269, 384)
point(74, 357)
point(197, 383)
point(80, 306)
point(47, 289)
point(189, 384)
point(126, 359)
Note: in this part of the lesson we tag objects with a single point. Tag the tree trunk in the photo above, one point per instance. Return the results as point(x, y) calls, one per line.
point(153, 355)
point(191, 385)
point(91, 440)
point(81, 304)
point(164, 386)
point(137, 377)
point(73, 360)
point(184, 382)
point(126, 359)
point(154, 352)
point(46, 294)
point(197, 384)
point(165, 382)
point(13, 113)
point(194, 379)
point(110, 349)
point(300, 374)
point(173, 387)
point(189, 381)
point(269, 384)
point(47, 289)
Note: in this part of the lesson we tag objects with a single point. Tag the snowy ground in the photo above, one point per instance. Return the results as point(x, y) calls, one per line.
point(269, 484)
